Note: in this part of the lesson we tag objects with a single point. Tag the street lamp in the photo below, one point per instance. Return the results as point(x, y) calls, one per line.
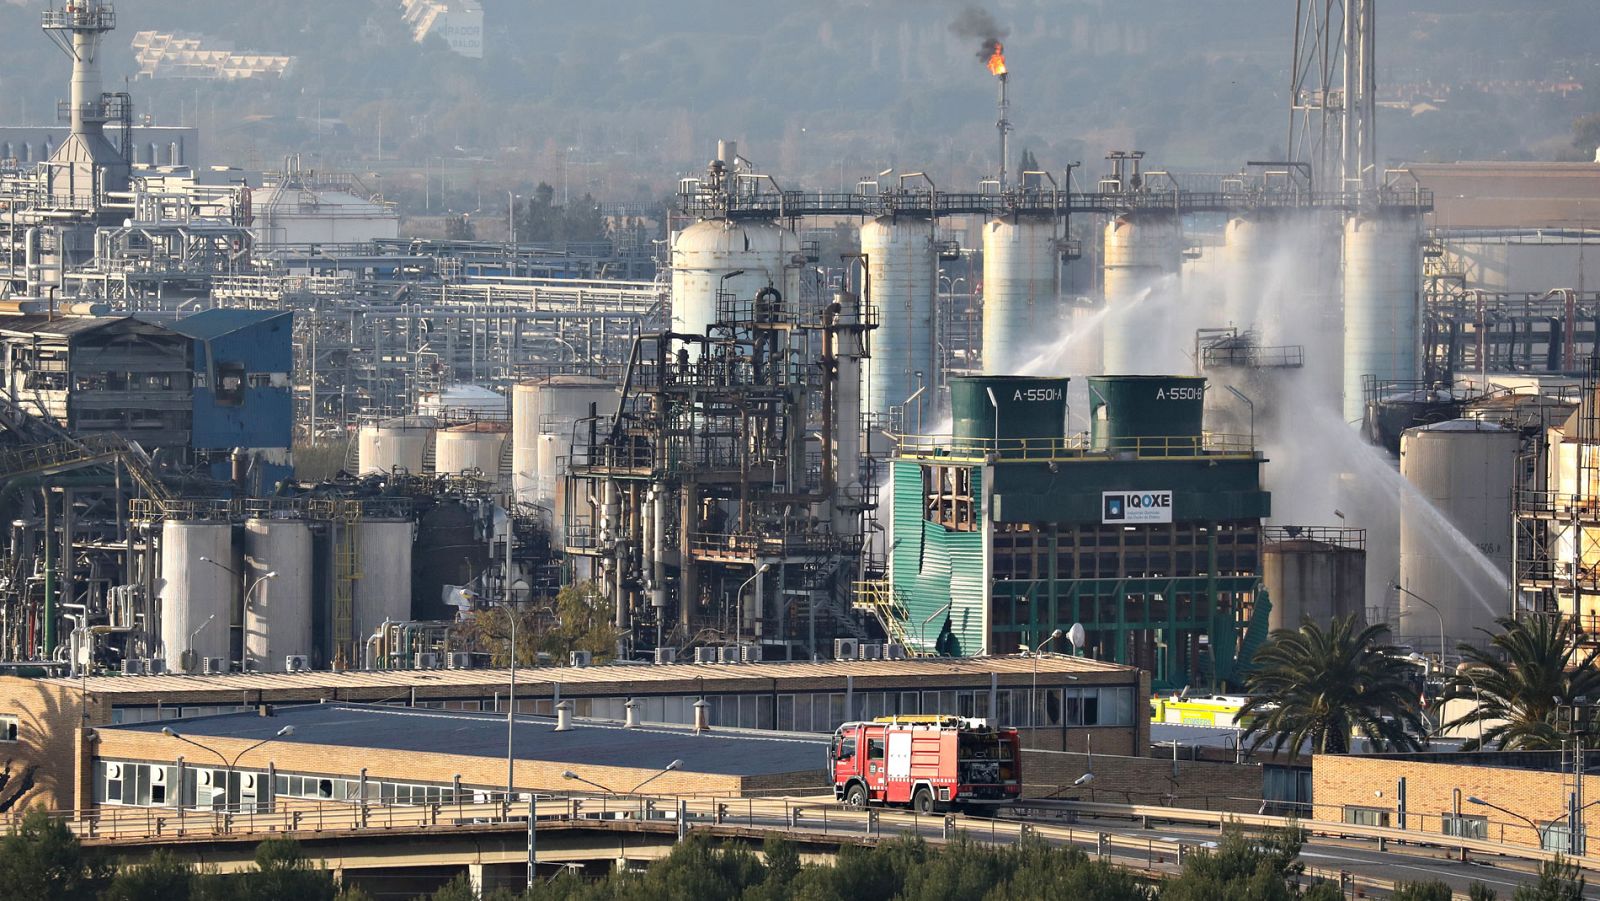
point(228, 764)
point(676, 764)
point(193, 635)
point(738, 601)
point(257, 584)
point(1252, 405)
point(1537, 835)
point(568, 774)
point(1033, 692)
point(1397, 587)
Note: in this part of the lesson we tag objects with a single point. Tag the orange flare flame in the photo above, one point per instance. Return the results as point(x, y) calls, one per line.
point(997, 59)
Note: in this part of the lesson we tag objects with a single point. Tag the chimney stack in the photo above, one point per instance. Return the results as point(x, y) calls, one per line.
point(564, 716)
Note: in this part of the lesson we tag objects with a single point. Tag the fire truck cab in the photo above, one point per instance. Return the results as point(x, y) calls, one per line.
point(927, 763)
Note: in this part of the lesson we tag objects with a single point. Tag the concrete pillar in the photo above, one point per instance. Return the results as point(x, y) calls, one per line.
point(475, 878)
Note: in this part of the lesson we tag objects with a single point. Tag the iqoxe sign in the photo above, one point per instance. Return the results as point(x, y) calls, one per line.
point(1126, 507)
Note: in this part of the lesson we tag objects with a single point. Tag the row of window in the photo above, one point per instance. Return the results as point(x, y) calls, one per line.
point(130, 784)
point(1552, 836)
point(814, 712)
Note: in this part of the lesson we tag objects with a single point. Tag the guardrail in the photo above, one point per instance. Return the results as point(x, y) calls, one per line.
point(802, 819)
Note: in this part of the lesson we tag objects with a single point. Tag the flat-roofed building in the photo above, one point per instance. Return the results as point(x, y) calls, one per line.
point(1061, 702)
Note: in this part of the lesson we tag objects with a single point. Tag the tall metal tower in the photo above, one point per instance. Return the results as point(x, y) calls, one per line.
point(85, 165)
point(1333, 93)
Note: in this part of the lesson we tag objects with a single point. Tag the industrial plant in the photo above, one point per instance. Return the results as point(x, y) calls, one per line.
point(1148, 414)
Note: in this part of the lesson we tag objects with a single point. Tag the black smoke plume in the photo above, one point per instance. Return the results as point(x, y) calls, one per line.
point(978, 23)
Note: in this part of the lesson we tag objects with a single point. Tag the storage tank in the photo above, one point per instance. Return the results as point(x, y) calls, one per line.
point(543, 415)
point(196, 596)
point(473, 446)
point(384, 590)
point(277, 608)
point(401, 442)
point(1382, 304)
point(1022, 309)
point(450, 550)
point(1023, 411)
point(1140, 251)
point(902, 274)
point(702, 254)
point(1313, 575)
point(1463, 471)
point(1160, 415)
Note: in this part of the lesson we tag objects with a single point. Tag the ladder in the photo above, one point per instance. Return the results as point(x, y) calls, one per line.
point(879, 598)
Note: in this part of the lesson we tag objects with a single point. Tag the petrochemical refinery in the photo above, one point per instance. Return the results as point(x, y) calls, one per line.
point(1147, 413)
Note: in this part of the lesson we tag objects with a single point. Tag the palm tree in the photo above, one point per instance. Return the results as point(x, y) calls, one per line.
point(1317, 687)
point(1532, 668)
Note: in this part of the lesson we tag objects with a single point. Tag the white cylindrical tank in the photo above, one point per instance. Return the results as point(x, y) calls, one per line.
point(1022, 310)
point(401, 443)
point(902, 273)
point(1463, 471)
point(544, 413)
point(384, 590)
point(277, 608)
point(705, 252)
point(474, 446)
point(1382, 304)
point(1140, 252)
point(293, 214)
point(196, 596)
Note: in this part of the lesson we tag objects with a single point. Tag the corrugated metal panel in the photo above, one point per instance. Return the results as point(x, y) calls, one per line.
point(931, 566)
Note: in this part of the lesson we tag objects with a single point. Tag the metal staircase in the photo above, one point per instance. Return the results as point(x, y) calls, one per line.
point(879, 598)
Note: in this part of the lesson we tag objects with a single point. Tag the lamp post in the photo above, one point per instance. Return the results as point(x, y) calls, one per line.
point(1477, 701)
point(1537, 835)
point(1436, 612)
point(193, 635)
point(1033, 691)
point(1252, 405)
point(738, 602)
point(511, 703)
point(228, 764)
point(256, 585)
point(574, 777)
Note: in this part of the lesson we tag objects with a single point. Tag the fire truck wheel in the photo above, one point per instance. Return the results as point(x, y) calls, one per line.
point(855, 796)
point(922, 801)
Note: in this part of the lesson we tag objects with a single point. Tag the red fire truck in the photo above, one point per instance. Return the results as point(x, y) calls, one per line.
point(927, 763)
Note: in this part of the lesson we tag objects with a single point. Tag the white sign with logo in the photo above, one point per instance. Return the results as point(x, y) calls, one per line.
point(1133, 507)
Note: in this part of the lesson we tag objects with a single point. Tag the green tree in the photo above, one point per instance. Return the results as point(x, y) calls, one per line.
point(1245, 867)
point(1317, 687)
point(1559, 880)
point(164, 878)
point(583, 622)
point(283, 871)
point(459, 228)
point(1532, 668)
point(41, 860)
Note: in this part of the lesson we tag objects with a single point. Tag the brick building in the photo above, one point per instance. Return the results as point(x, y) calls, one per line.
point(1061, 702)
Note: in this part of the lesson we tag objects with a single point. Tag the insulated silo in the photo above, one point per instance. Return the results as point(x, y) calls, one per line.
point(384, 590)
point(476, 446)
point(1151, 415)
point(1022, 412)
point(196, 596)
point(277, 608)
point(1463, 471)
point(902, 273)
point(401, 442)
point(1382, 304)
point(544, 413)
point(1022, 309)
point(705, 256)
point(1314, 575)
point(1140, 251)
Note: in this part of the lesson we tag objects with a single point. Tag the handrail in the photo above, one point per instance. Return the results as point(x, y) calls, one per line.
point(1073, 448)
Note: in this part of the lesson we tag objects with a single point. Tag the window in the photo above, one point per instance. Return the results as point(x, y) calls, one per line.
point(1366, 816)
point(875, 749)
point(1462, 826)
point(848, 750)
point(1556, 837)
point(8, 728)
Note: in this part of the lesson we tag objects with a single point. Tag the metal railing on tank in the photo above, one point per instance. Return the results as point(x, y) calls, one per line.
point(1073, 448)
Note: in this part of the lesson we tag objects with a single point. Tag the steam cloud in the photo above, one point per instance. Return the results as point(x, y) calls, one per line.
point(978, 23)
